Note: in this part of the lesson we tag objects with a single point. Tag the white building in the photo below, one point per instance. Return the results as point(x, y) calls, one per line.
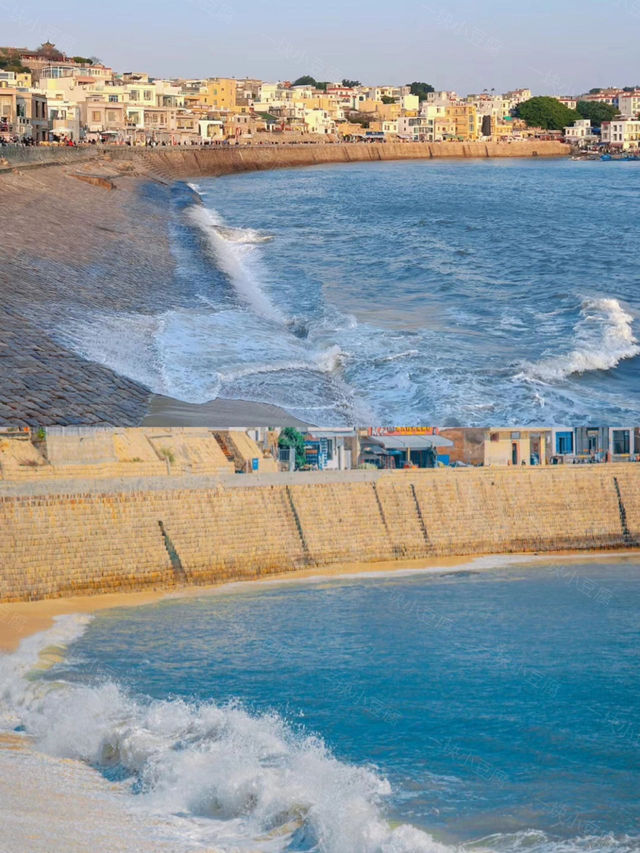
point(629, 104)
point(621, 133)
point(580, 133)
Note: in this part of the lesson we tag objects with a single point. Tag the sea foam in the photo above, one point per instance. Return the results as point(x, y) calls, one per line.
point(217, 774)
point(603, 337)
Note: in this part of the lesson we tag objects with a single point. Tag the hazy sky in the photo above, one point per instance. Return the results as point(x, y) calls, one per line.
point(554, 46)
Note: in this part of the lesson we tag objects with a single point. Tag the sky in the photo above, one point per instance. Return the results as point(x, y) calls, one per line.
point(550, 46)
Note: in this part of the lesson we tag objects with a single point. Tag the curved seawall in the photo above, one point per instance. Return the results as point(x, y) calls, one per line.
point(175, 163)
point(179, 162)
point(57, 544)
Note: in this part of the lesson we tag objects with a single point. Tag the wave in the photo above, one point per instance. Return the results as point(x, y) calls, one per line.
point(242, 235)
point(603, 338)
point(236, 258)
point(242, 781)
point(217, 776)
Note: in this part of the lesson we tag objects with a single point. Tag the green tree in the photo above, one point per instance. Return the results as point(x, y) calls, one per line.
point(595, 91)
point(305, 80)
point(350, 84)
point(387, 99)
point(290, 437)
point(546, 112)
point(10, 61)
point(82, 60)
point(596, 111)
point(421, 89)
point(321, 85)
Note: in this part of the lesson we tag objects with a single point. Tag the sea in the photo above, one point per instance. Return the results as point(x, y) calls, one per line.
point(494, 706)
point(467, 292)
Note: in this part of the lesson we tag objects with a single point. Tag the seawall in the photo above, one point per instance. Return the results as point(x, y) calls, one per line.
point(57, 544)
point(172, 163)
point(189, 162)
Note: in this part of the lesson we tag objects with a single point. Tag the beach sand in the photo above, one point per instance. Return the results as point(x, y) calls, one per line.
point(22, 619)
point(168, 412)
point(54, 804)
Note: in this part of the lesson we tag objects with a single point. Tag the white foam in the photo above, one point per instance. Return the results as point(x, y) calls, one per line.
point(603, 337)
point(237, 259)
point(226, 776)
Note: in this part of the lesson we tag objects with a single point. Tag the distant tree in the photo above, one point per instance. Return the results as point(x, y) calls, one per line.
point(305, 80)
point(546, 112)
point(387, 99)
point(48, 50)
point(597, 112)
point(350, 84)
point(82, 60)
point(290, 437)
point(10, 61)
point(321, 85)
point(363, 119)
point(95, 60)
point(595, 91)
point(421, 89)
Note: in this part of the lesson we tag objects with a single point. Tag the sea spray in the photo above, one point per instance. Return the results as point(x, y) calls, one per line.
point(234, 251)
point(603, 337)
point(247, 781)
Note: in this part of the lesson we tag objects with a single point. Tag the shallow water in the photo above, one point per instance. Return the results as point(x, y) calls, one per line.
point(369, 714)
point(469, 292)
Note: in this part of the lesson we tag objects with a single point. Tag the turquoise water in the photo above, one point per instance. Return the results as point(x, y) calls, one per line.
point(373, 713)
point(467, 292)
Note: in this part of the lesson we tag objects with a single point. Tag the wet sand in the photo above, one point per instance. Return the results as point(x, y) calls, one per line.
point(218, 414)
point(54, 804)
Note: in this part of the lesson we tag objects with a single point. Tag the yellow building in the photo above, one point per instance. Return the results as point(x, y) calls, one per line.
point(221, 93)
point(465, 119)
point(516, 446)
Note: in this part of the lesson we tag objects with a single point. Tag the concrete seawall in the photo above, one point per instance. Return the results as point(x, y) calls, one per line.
point(175, 163)
point(57, 544)
point(172, 163)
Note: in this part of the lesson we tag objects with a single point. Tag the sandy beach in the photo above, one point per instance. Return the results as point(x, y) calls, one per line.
point(19, 620)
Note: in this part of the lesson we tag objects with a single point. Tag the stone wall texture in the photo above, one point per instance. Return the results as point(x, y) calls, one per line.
point(55, 544)
point(174, 163)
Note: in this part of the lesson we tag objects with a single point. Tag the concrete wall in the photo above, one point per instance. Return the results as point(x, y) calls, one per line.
point(172, 163)
point(56, 544)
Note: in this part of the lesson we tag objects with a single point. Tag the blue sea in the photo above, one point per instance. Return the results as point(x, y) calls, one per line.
point(473, 292)
point(493, 707)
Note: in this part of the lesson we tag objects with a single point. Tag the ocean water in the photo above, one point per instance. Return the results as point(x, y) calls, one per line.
point(466, 292)
point(490, 708)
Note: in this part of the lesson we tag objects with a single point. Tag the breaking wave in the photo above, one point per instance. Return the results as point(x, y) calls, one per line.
point(603, 338)
point(233, 250)
point(240, 781)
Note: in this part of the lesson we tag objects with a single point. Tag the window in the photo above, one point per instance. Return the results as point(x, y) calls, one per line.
point(95, 116)
point(620, 442)
point(113, 99)
point(564, 443)
point(147, 95)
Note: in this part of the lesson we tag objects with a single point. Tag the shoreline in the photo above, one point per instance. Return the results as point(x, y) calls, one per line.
point(119, 201)
point(23, 619)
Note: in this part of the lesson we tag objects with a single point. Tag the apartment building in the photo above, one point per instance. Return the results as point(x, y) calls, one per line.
point(220, 93)
point(623, 133)
point(629, 104)
point(464, 119)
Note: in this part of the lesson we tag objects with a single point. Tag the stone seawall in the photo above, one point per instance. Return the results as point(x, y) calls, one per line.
point(176, 163)
point(62, 544)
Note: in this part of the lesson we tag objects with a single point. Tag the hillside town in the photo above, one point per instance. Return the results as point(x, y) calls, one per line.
point(47, 97)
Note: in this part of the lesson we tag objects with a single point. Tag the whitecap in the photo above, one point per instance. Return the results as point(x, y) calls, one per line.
point(603, 337)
